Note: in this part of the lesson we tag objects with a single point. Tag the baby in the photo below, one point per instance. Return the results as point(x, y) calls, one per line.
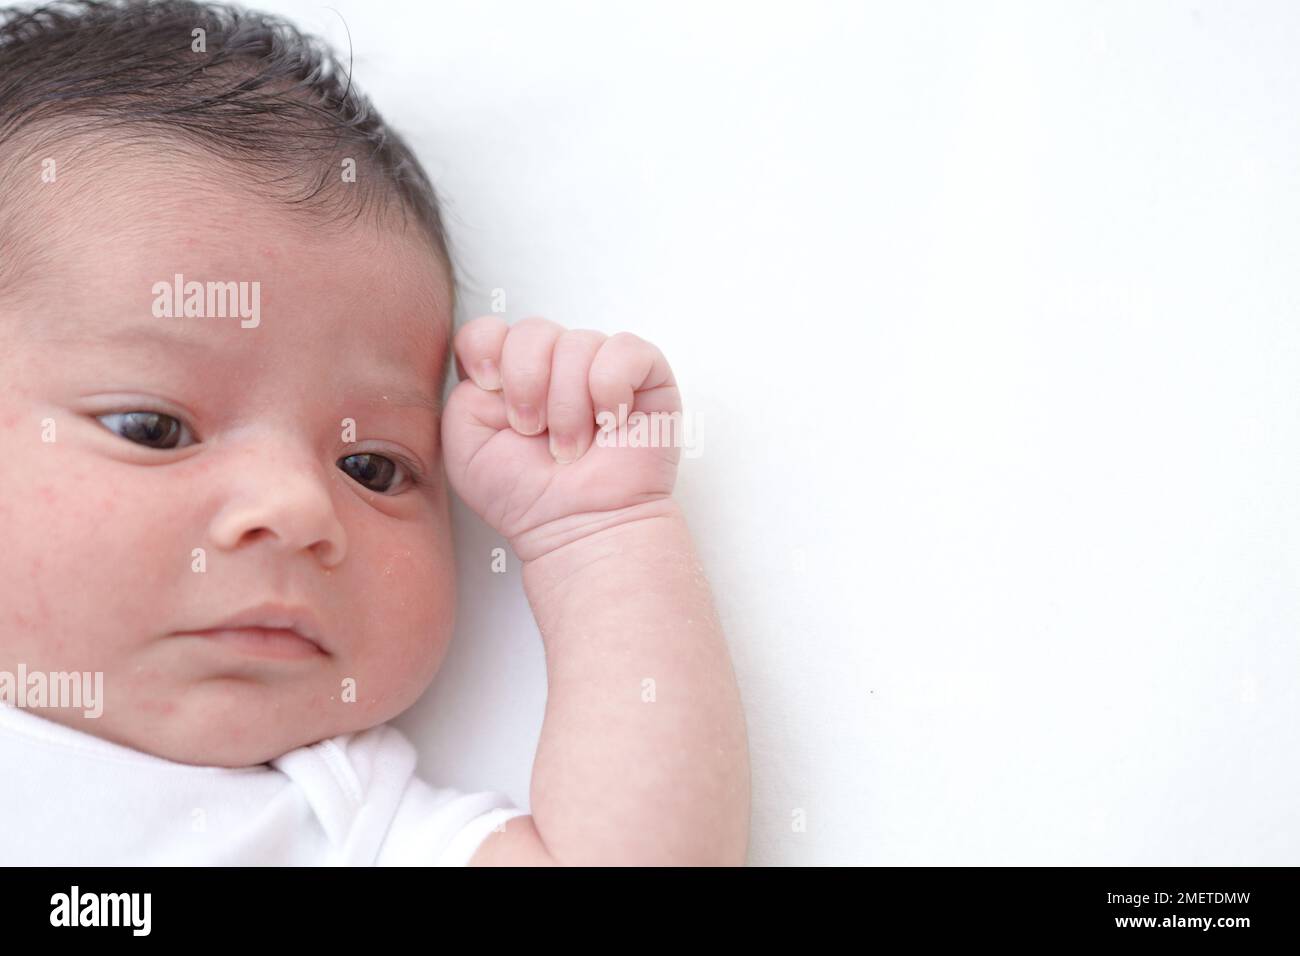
point(226, 321)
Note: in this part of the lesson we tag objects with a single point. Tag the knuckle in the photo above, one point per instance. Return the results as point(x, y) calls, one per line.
point(628, 338)
point(578, 340)
point(535, 324)
point(605, 380)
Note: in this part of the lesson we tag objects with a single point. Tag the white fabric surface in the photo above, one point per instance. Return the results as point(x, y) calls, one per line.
point(70, 798)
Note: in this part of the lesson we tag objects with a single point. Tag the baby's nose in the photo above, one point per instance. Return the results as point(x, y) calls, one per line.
point(284, 501)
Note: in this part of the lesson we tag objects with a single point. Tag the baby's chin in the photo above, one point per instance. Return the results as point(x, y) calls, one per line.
point(230, 723)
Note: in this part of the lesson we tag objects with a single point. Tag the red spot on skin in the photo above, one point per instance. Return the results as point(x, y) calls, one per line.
point(46, 495)
point(11, 421)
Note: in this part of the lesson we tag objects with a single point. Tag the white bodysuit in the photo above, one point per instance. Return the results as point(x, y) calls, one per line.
point(68, 798)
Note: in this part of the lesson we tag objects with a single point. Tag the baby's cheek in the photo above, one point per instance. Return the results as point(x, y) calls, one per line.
point(409, 613)
point(87, 553)
point(52, 522)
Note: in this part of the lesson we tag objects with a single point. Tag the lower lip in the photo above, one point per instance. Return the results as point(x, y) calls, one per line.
point(271, 643)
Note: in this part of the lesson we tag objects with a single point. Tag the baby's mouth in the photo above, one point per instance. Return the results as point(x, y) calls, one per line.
point(271, 643)
point(271, 631)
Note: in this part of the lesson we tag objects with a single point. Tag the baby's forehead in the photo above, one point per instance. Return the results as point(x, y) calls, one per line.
point(111, 239)
point(115, 226)
point(191, 200)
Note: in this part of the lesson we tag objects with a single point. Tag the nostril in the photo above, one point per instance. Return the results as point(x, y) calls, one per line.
point(327, 552)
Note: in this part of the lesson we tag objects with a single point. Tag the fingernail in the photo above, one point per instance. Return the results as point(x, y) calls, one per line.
point(523, 419)
point(489, 377)
point(563, 450)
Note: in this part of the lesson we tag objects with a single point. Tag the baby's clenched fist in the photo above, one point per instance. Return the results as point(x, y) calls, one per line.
point(534, 435)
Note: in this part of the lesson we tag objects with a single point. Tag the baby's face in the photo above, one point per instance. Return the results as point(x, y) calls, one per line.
point(123, 534)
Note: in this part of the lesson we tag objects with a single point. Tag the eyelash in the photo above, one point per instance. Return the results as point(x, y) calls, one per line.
point(411, 471)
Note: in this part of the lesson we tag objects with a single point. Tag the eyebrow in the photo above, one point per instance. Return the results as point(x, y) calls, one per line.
point(405, 398)
point(378, 393)
point(135, 334)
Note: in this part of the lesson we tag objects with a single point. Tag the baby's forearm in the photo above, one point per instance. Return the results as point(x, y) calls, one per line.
point(643, 757)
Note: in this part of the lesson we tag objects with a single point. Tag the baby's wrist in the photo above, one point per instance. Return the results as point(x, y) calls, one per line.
point(568, 549)
point(576, 538)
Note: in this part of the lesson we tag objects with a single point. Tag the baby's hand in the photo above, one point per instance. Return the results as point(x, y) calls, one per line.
point(618, 591)
point(520, 431)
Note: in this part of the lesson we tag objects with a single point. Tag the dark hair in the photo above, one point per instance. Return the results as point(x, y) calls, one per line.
point(262, 96)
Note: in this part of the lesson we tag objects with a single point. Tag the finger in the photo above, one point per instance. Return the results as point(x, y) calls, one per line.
point(526, 373)
point(626, 365)
point(478, 350)
point(569, 415)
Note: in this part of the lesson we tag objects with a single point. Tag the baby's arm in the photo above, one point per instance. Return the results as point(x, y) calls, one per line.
point(643, 757)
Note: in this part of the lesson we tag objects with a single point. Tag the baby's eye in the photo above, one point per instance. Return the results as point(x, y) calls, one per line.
point(374, 472)
point(151, 429)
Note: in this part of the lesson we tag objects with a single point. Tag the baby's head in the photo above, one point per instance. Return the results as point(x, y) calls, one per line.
point(165, 471)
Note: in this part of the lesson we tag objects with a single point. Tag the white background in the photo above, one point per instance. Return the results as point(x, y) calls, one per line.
point(989, 318)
